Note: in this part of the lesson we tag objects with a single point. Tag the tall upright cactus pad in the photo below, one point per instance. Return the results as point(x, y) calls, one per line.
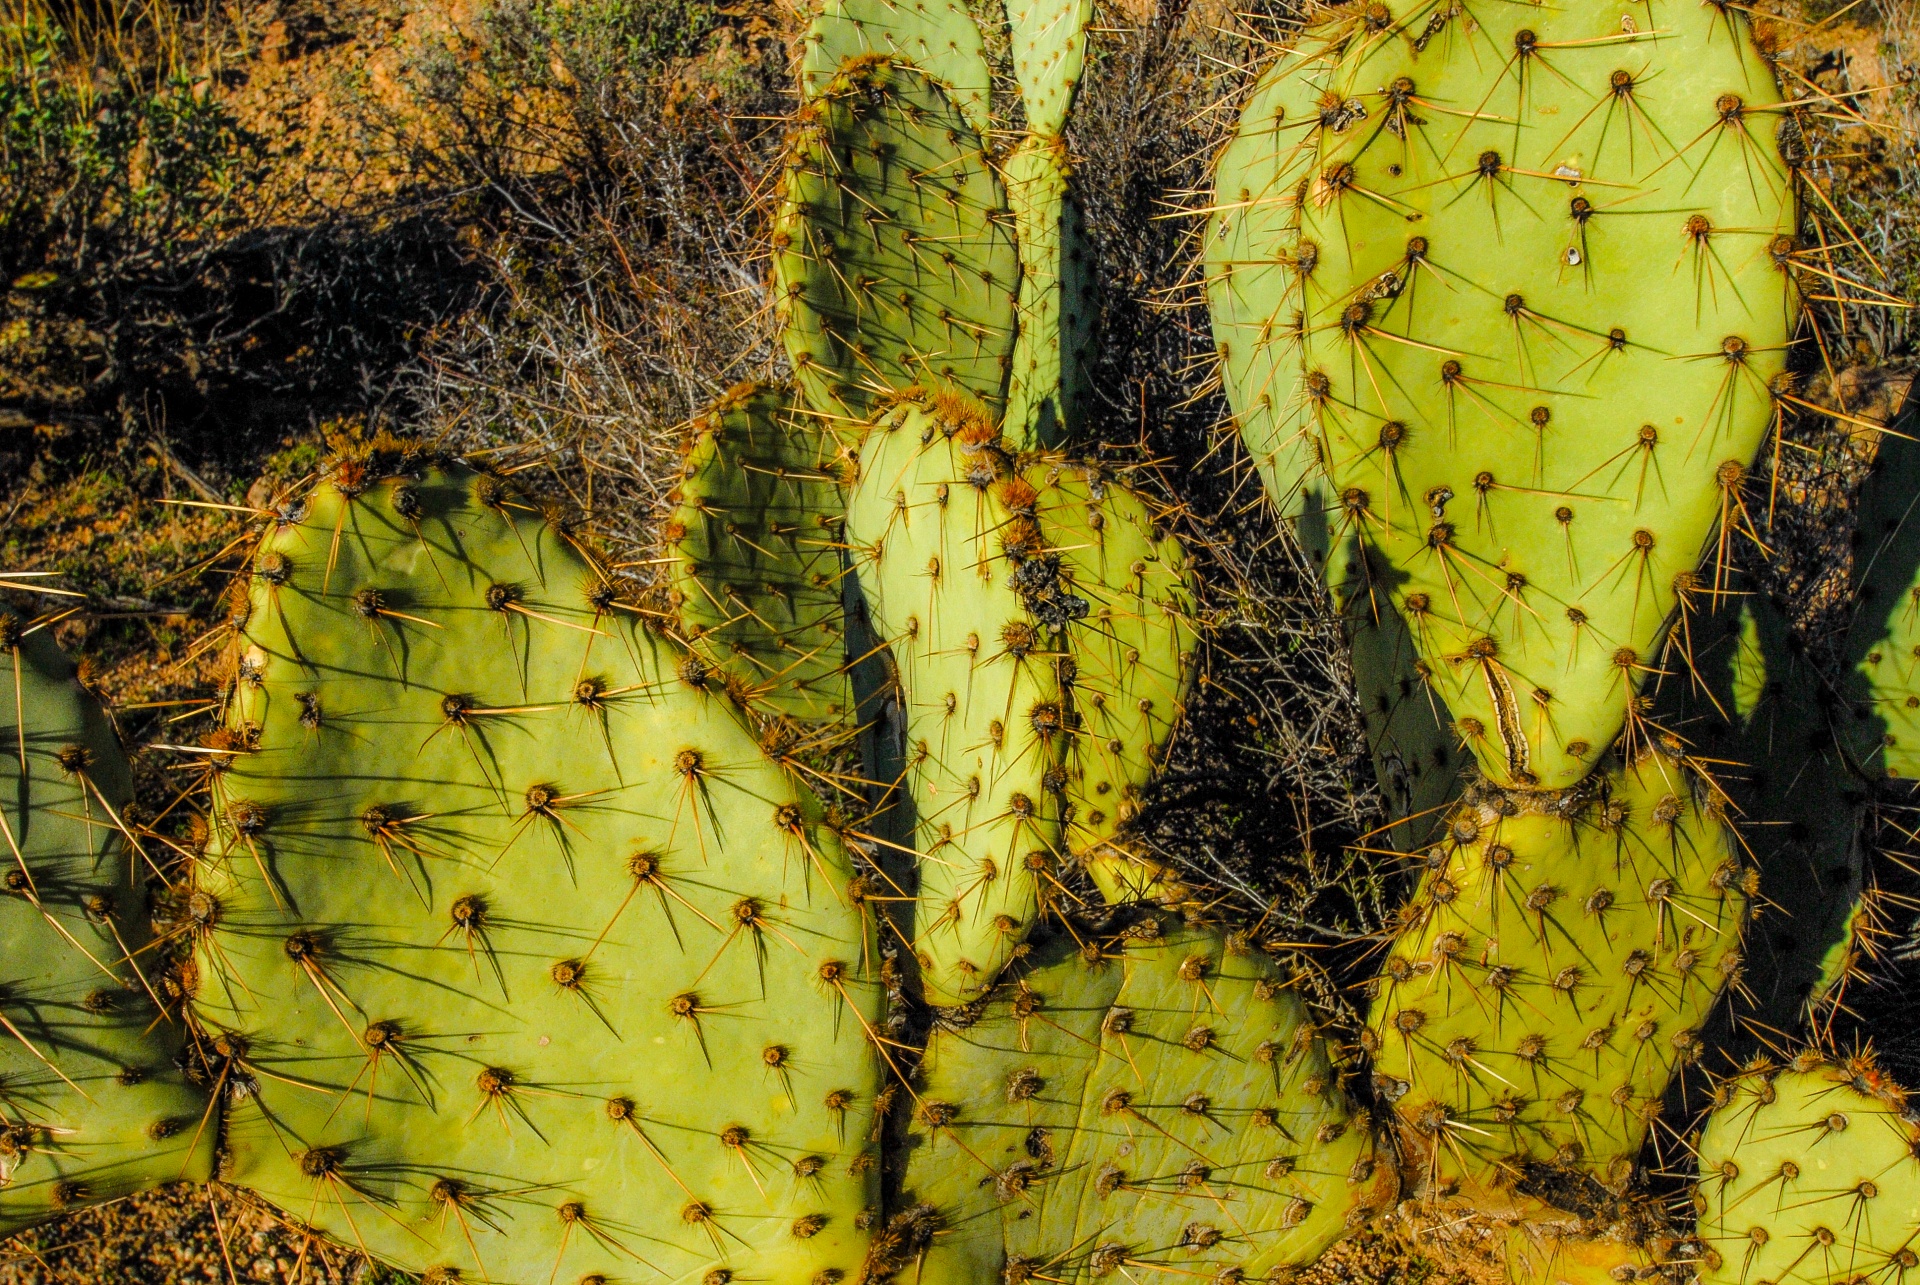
point(1810, 1176)
point(1254, 290)
point(944, 540)
point(518, 960)
point(1049, 39)
point(758, 545)
point(1132, 661)
point(939, 37)
point(894, 256)
point(1880, 721)
point(1054, 348)
point(1537, 295)
point(1746, 700)
point(1157, 1103)
point(1554, 969)
point(93, 1105)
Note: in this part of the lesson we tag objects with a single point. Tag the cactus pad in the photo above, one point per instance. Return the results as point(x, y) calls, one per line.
point(944, 539)
point(1132, 660)
point(1055, 343)
point(92, 1104)
point(519, 960)
point(1810, 1176)
point(894, 255)
point(1554, 969)
point(1049, 39)
point(759, 552)
point(1254, 291)
point(938, 36)
point(1538, 438)
point(1158, 1103)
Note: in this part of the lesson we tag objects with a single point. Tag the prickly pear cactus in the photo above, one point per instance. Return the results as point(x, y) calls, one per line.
point(758, 546)
point(93, 1105)
point(516, 959)
point(1433, 250)
point(1156, 1102)
point(1131, 662)
point(1054, 348)
point(943, 537)
point(1809, 1176)
point(894, 256)
point(939, 37)
point(1554, 968)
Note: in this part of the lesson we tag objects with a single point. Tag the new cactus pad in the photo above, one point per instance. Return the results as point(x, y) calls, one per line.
point(93, 1104)
point(1432, 255)
point(943, 537)
point(1810, 1175)
point(894, 256)
point(757, 534)
point(1554, 969)
point(516, 958)
point(1151, 1100)
point(1049, 40)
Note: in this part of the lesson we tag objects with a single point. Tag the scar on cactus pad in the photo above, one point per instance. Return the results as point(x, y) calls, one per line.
point(503, 904)
point(1432, 263)
point(93, 1103)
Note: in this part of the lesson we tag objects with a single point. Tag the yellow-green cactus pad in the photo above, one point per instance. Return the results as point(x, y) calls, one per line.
point(1537, 296)
point(954, 567)
point(939, 37)
point(93, 1104)
point(894, 257)
point(1810, 1176)
point(758, 548)
point(1049, 39)
point(1159, 1103)
point(519, 961)
point(1554, 968)
point(1255, 282)
point(1055, 343)
point(1132, 660)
